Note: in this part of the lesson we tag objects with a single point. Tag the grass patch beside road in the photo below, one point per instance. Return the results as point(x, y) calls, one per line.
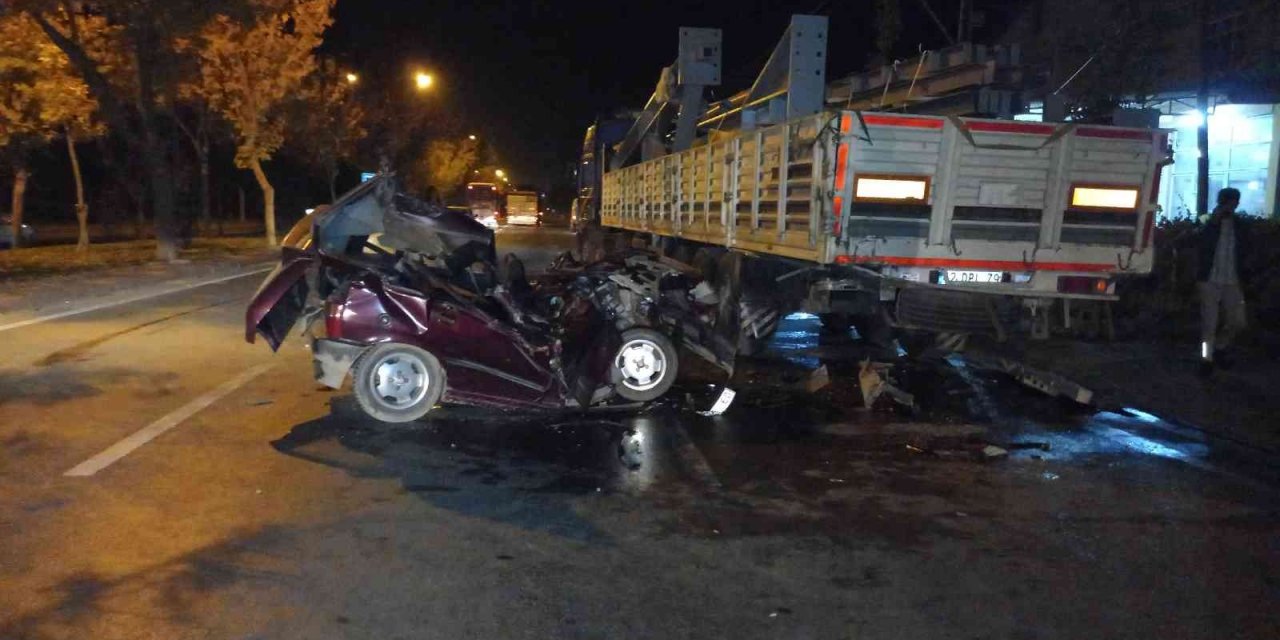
point(64, 259)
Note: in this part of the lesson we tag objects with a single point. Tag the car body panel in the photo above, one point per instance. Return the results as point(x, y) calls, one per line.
point(393, 269)
point(280, 299)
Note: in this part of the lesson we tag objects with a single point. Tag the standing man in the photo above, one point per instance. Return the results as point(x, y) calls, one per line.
point(1222, 310)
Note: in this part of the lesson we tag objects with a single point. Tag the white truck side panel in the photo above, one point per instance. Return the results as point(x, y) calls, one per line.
point(998, 198)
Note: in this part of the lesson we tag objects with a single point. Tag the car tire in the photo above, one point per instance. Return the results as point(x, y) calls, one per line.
point(396, 382)
point(645, 365)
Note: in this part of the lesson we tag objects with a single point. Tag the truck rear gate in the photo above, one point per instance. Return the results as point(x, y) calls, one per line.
point(1002, 206)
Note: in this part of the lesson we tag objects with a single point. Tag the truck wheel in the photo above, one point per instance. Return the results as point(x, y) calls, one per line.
point(645, 366)
point(398, 382)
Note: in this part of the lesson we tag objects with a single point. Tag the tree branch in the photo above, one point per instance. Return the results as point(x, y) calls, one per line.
point(98, 84)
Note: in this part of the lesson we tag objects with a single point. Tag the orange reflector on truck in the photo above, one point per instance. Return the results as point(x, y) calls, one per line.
point(890, 188)
point(842, 164)
point(1105, 197)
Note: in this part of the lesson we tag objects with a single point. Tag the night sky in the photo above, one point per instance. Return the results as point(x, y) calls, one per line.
point(530, 76)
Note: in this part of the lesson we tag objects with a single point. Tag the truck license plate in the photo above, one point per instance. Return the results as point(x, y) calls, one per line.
point(975, 277)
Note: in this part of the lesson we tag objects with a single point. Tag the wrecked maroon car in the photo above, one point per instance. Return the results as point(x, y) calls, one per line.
point(418, 311)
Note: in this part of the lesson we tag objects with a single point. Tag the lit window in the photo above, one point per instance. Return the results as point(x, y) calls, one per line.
point(1104, 198)
point(891, 188)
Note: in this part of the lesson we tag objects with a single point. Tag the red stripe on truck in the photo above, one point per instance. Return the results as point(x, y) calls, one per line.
point(1010, 127)
point(893, 121)
point(1115, 134)
point(997, 265)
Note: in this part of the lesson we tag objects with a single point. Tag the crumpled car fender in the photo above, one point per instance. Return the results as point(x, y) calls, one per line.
point(333, 359)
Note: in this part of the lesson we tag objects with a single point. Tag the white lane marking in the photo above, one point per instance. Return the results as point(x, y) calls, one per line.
point(115, 452)
point(143, 296)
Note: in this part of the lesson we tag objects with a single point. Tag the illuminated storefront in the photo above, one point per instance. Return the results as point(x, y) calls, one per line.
point(1242, 154)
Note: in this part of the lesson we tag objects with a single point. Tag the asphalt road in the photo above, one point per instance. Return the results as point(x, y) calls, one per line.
point(164, 479)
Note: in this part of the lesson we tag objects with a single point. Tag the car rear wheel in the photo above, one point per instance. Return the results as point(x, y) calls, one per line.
point(645, 366)
point(398, 382)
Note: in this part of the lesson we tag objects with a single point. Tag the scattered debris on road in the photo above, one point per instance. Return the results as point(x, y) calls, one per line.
point(817, 380)
point(992, 452)
point(722, 403)
point(874, 382)
point(1043, 381)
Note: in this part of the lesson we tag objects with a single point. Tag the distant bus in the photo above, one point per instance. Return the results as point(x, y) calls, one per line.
point(485, 200)
point(523, 207)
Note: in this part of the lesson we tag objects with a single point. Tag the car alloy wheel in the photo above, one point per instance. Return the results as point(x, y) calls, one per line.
point(400, 380)
point(644, 366)
point(396, 382)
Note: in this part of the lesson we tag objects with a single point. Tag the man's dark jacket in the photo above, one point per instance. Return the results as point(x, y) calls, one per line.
point(1207, 245)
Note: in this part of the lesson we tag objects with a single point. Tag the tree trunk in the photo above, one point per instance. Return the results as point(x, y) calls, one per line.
point(268, 201)
point(140, 221)
point(206, 204)
point(20, 175)
point(162, 204)
point(240, 193)
point(155, 151)
point(82, 209)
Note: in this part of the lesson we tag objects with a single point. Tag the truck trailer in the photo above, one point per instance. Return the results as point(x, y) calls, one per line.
point(951, 225)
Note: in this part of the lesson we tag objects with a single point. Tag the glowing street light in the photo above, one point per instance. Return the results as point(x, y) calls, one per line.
point(423, 80)
point(471, 137)
point(352, 78)
point(499, 172)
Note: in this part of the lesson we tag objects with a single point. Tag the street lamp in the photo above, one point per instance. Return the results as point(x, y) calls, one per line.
point(352, 78)
point(499, 172)
point(471, 137)
point(423, 80)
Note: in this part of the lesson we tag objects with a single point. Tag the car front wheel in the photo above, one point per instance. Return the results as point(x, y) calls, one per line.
point(645, 366)
point(398, 382)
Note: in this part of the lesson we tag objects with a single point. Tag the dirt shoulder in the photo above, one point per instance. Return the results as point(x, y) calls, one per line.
point(51, 279)
point(1241, 403)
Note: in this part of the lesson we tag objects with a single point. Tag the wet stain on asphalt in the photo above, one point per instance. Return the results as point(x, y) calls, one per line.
point(79, 352)
point(60, 384)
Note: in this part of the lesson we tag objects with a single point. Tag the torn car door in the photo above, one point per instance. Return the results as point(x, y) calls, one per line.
point(486, 361)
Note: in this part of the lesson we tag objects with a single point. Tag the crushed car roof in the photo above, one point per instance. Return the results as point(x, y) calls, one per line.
point(404, 222)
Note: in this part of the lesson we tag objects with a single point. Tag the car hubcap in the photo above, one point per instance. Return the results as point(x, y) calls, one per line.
point(641, 363)
point(400, 380)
